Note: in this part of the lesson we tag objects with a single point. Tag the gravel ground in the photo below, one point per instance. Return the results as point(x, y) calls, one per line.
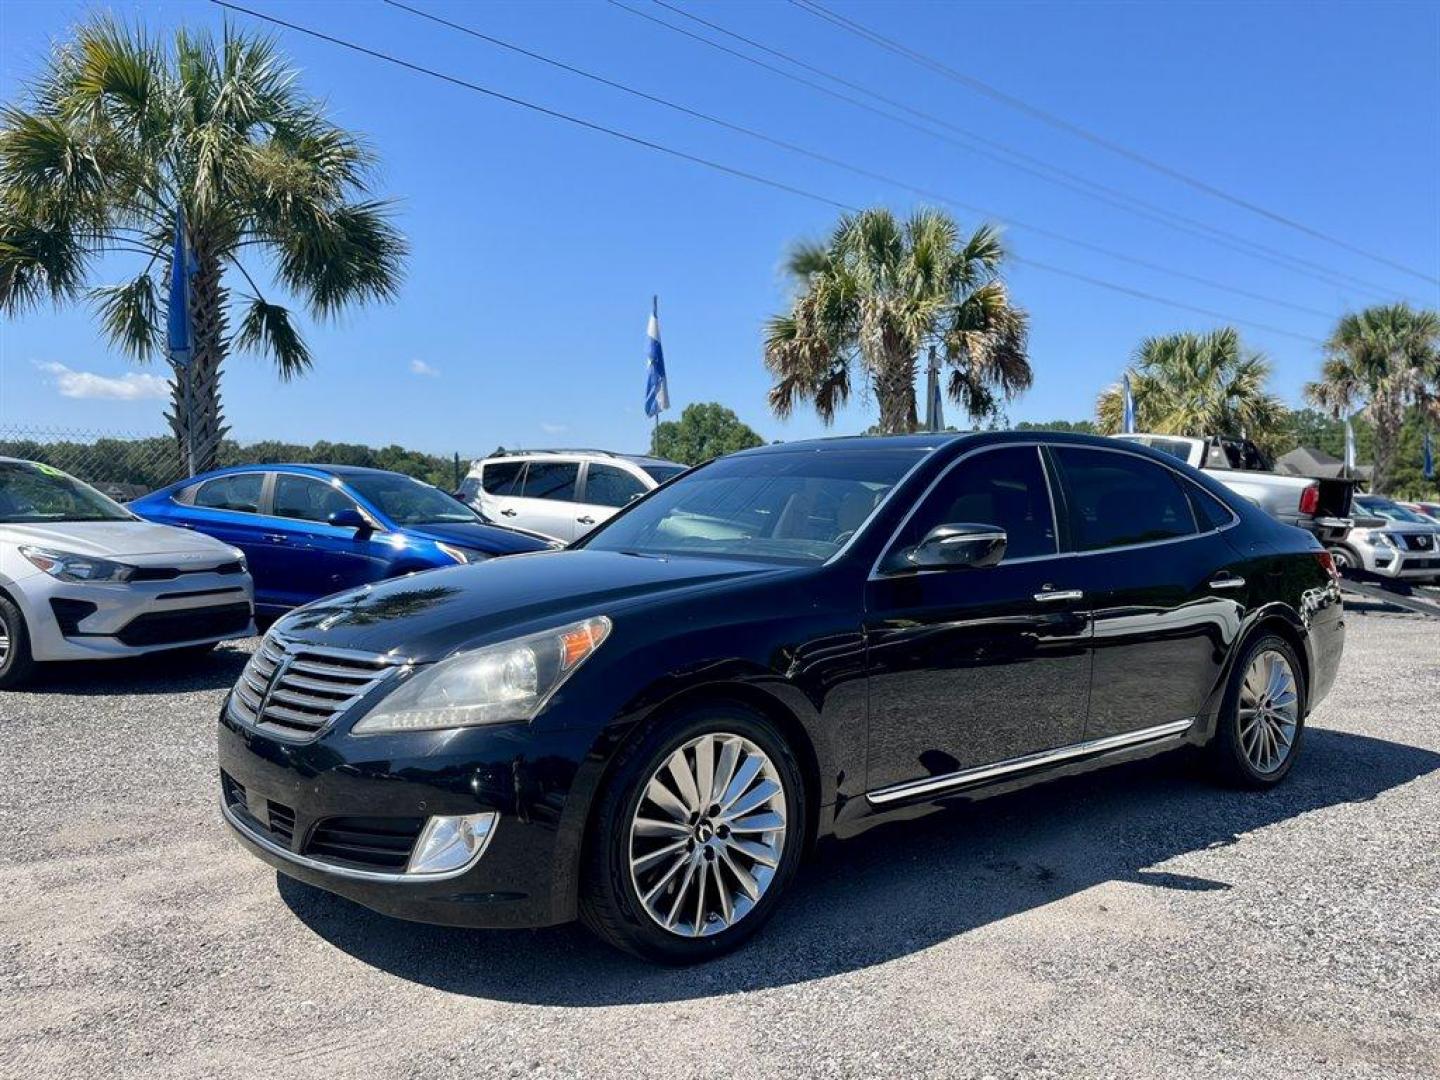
point(1132, 923)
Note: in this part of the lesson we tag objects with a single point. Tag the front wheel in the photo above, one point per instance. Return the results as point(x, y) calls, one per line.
point(1262, 717)
point(16, 662)
point(1345, 558)
point(699, 832)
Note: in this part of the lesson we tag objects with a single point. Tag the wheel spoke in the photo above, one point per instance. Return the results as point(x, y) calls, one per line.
point(759, 853)
point(667, 800)
point(744, 777)
point(722, 890)
point(725, 767)
point(666, 877)
point(684, 782)
point(702, 876)
point(757, 797)
point(748, 884)
point(653, 858)
point(758, 823)
point(680, 892)
point(650, 827)
point(705, 768)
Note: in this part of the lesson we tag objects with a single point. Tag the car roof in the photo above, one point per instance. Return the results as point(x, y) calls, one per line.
point(935, 440)
point(578, 452)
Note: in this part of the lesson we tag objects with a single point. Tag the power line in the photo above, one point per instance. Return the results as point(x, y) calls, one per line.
point(858, 170)
point(1006, 155)
point(705, 162)
point(818, 10)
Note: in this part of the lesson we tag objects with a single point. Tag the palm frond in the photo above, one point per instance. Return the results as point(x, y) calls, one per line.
point(130, 315)
point(267, 330)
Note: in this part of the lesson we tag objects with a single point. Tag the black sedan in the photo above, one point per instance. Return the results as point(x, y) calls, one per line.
point(648, 729)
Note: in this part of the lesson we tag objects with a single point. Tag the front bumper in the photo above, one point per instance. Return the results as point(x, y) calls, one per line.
point(1403, 565)
point(523, 775)
point(133, 618)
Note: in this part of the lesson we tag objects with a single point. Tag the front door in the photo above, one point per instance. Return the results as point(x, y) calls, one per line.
point(974, 666)
point(326, 558)
point(1160, 582)
point(605, 489)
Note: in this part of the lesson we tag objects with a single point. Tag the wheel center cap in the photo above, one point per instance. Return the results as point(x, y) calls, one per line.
point(704, 832)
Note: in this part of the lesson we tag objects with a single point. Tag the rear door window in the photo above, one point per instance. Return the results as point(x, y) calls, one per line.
point(1117, 499)
point(606, 485)
point(240, 493)
point(551, 480)
point(502, 477)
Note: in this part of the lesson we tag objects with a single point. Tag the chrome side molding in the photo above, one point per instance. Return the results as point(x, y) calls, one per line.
point(931, 784)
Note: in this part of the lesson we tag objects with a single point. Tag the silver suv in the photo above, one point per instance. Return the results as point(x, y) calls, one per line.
point(1390, 541)
point(560, 493)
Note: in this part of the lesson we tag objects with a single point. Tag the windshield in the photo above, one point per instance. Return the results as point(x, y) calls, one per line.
point(31, 493)
point(1179, 448)
point(798, 507)
point(1391, 511)
point(407, 501)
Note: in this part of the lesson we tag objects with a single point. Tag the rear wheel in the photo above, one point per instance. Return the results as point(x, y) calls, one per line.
point(16, 662)
point(1262, 718)
point(698, 834)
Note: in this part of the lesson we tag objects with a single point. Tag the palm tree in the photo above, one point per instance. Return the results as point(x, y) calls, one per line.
point(878, 295)
point(1382, 359)
point(1197, 384)
point(120, 135)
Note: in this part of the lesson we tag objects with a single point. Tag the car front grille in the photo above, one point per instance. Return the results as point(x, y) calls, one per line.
point(170, 573)
point(194, 624)
point(1418, 541)
point(374, 843)
point(295, 690)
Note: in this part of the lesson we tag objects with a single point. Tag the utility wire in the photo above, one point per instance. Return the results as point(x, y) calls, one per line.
point(706, 162)
point(818, 10)
point(1004, 154)
point(858, 170)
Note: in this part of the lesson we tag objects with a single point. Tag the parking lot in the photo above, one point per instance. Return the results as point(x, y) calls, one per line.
point(1132, 922)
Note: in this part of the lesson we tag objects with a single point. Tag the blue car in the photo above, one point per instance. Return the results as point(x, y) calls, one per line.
point(311, 530)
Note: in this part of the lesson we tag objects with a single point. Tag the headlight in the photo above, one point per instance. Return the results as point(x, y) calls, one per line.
point(81, 568)
point(498, 684)
point(462, 555)
point(1380, 538)
point(239, 556)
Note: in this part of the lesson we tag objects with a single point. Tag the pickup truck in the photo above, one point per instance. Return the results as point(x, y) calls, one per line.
point(1319, 506)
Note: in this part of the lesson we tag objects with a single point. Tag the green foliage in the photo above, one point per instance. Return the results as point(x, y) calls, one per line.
point(705, 430)
point(1077, 427)
point(880, 294)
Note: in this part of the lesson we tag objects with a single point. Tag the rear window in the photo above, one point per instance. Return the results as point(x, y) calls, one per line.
point(661, 473)
point(240, 493)
point(551, 480)
point(1117, 499)
point(502, 477)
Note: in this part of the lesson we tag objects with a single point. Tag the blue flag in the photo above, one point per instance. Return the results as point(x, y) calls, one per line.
point(1427, 458)
point(179, 338)
point(657, 390)
point(1129, 423)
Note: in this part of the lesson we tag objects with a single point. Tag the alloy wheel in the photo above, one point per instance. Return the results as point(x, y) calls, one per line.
point(1269, 711)
point(708, 835)
point(4, 641)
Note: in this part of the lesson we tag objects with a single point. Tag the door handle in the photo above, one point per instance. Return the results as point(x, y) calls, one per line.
point(276, 538)
point(1048, 595)
point(508, 513)
point(1227, 581)
point(586, 520)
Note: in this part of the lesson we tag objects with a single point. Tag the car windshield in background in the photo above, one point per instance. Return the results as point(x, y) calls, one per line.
point(786, 507)
point(407, 501)
point(33, 494)
point(1391, 511)
point(661, 473)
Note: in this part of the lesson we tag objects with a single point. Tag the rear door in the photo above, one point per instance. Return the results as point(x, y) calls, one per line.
point(1162, 587)
point(500, 483)
point(604, 488)
point(228, 508)
point(546, 503)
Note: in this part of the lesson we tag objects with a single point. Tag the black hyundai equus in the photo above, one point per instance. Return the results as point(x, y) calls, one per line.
point(648, 729)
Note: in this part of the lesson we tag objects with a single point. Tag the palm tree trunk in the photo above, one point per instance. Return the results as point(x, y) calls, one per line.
point(195, 395)
point(895, 392)
point(1387, 414)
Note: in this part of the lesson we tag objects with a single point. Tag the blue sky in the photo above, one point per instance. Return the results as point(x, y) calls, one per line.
point(537, 245)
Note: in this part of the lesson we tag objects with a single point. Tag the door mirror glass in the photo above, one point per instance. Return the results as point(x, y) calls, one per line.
point(349, 518)
point(958, 545)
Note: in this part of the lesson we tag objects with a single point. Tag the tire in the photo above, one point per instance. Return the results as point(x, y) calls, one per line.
point(1250, 747)
point(1346, 558)
point(17, 663)
point(612, 903)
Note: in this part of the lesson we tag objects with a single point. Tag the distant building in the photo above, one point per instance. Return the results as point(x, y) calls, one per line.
point(1308, 461)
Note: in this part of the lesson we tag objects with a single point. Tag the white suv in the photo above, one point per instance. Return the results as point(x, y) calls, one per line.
point(560, 493)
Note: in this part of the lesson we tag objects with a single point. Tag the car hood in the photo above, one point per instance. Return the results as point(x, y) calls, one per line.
point(116, 539)
point(488, 538)
point(427, 616)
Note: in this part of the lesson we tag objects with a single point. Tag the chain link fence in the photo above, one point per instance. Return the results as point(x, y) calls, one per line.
point(127, 465)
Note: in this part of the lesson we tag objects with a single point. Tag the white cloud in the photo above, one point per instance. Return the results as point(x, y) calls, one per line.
point(554, 429)
point(131, 386)
point(420, 367)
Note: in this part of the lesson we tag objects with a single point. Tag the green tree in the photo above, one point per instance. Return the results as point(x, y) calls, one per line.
point(882, 293)
point(1197, 384)
point(121, 133)
point(705, 430)
point(1079, 427)
point(1382, 361)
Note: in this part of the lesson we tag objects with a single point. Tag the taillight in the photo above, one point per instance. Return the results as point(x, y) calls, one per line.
point(1310, 499)
point(1325, 559)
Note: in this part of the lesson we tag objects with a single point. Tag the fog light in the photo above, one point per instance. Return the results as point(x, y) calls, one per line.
point(449, 843)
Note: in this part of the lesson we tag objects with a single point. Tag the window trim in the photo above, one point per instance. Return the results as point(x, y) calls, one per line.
point(875, 574)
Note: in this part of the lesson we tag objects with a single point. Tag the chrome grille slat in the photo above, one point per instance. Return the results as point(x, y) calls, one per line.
point(296, 690)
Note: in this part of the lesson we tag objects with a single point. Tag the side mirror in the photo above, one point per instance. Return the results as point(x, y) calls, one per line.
point(955, 546)
point(350, 518)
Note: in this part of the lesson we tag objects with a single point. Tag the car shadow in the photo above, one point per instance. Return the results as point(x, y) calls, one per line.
point(899, 888)
point(154, 673)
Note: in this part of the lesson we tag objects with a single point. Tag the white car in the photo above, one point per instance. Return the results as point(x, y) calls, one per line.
point(560, 493)
point(1390, 541)
point(83, 578)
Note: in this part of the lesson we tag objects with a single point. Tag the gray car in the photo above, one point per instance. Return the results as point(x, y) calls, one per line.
point(1390, 542)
